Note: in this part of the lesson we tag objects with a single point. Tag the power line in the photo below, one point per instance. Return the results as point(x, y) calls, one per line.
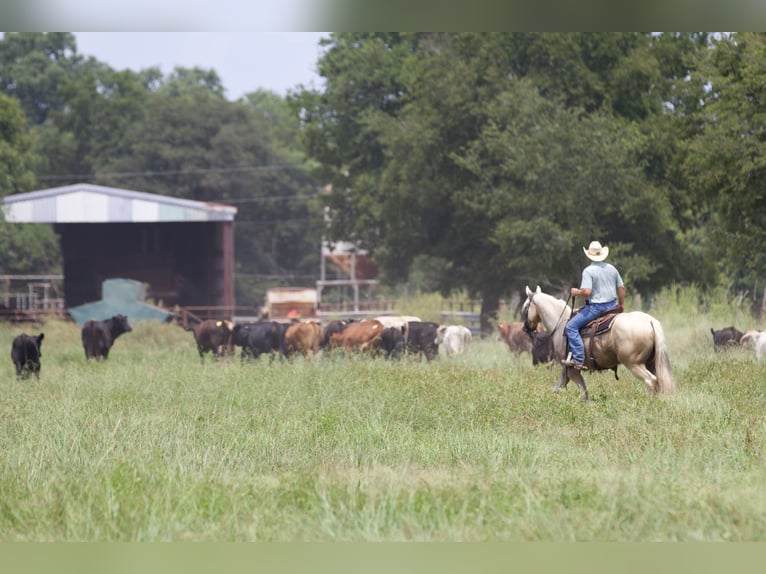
point(199, 171)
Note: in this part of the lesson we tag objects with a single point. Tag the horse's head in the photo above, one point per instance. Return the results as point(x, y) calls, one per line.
point(529, 313)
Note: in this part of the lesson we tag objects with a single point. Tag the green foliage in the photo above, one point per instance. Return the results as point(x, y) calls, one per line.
point(725, 163)
point(29, 248)
point(16, 157)
point(34, 68)
point(502, 154)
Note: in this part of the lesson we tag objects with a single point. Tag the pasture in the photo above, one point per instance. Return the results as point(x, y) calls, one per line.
point(151, 446)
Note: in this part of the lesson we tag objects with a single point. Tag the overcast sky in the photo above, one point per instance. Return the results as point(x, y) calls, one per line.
point(245, 61)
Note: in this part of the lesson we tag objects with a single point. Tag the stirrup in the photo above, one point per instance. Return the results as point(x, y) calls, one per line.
point(569, 362)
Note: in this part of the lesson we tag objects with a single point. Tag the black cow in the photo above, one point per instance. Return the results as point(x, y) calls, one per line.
point(259, 338)
point(332, 328)
point(25, 353)
point(392, 342)
point(542, 347)
point(421, 339)
point(726, 337)
point(98, 336)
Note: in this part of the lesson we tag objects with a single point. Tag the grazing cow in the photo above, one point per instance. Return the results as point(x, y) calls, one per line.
point(363, 336)
point(98, 336)
point(455, 338)
point(392, 342)
point(726, 337)
point(756, 340)
point(259, 338)
point(421, 339)
point(303, 338)
point(213, 336)
point(515, 337)
point(25, 353)
point(333, 327)
point(542, 348)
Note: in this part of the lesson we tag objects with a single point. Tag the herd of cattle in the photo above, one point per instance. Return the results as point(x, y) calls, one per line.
point(389, 336)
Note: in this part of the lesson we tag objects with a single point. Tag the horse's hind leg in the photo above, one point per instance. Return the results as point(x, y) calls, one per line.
point(643, 374)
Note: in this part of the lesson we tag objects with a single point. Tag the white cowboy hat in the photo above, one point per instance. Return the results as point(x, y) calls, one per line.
point(595, 252)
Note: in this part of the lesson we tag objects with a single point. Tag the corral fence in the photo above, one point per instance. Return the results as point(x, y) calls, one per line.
point(31, 297)
point(463, 312)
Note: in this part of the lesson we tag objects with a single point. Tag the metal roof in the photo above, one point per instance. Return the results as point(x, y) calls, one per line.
point(87, 203)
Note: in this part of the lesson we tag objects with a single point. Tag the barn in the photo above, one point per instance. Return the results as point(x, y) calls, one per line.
point(183, 250)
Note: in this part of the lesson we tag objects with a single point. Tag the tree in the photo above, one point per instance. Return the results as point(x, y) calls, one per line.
point(726, 160)
point(27, 248)
point(191, 142)
point(498, 154)
point(33, 69)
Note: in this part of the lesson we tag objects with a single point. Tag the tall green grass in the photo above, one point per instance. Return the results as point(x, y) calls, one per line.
point(152, 446)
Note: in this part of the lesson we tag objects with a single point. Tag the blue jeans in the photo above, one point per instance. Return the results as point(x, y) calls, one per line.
point(583, 317)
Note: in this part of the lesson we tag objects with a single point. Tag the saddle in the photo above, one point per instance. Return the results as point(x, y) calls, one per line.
point(598, 326)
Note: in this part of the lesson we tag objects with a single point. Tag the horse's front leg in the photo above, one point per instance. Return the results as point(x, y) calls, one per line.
point(577, 378)
point(570, 373)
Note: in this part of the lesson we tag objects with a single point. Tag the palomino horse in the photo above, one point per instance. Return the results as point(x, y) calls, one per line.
point(635, 340)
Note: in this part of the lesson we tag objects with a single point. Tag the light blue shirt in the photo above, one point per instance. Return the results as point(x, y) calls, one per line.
point(602, 279)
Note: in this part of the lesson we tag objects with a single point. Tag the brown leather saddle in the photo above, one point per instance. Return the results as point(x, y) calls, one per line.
point(598, 326)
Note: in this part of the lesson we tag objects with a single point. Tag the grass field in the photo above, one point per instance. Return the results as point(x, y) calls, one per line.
point(151, 446)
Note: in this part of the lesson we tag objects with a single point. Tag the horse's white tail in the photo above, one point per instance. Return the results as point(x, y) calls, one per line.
point(665, 380)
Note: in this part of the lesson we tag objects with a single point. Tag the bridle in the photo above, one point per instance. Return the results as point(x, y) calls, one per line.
point(525, 315)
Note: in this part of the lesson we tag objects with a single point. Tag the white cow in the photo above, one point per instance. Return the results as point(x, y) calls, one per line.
point(756, 340)
point(454, 338)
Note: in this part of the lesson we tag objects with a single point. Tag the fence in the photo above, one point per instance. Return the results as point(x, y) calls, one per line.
point(463, 312)
point(31, 297)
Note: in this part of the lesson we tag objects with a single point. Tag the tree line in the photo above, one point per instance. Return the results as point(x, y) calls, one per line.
point(477, 162)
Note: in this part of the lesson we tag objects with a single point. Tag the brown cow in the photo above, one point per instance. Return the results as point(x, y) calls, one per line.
point(364, 336)
point(303, 338)
point(515, 337)
point(213, 336)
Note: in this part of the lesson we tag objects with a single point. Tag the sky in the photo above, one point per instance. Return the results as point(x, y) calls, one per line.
point(245, 61)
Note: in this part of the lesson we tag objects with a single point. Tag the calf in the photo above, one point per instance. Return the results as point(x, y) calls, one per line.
point(98, 336)
point(392, 342)
point(303, 338)
point(263, 337)
point(726, 337)
point(421, 339)
point(542, 347)
point(455, 338)
point(756, 340)
point(514, 335)
point(213, 336)
point(363, 336)
point(25, 353)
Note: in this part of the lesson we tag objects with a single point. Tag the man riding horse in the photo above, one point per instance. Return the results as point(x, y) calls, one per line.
point(603, 288)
